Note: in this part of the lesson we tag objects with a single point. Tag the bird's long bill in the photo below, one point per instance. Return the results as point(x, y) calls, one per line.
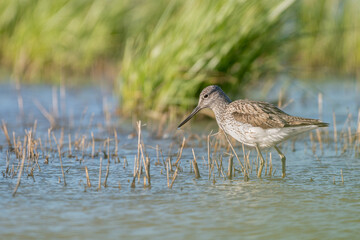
point(197, 109)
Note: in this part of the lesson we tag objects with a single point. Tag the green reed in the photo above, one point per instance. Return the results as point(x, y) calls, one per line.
point(195, 43)
point(152, 49)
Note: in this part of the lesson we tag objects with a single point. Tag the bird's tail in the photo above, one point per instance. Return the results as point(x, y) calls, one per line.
point(322, 124)
point(300, 121)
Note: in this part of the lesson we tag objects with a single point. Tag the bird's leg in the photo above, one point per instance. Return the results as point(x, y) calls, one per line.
point(283, 160)
point(262, 161)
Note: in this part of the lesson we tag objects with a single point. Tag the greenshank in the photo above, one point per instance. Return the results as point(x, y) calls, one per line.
point(253, 123)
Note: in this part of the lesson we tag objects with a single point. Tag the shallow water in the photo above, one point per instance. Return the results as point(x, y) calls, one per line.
point(310, 203)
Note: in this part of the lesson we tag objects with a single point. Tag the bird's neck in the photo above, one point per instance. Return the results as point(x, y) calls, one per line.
point(220, 105)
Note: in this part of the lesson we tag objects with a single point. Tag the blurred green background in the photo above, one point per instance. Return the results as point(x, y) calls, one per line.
point(159, 54)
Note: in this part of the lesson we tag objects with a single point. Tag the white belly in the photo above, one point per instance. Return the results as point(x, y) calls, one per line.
point(264, 138)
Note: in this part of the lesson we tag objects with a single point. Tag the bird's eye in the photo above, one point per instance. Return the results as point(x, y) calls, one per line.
point(206, 96)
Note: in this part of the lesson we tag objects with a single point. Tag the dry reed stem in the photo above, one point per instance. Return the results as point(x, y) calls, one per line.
point(139, 170)
point(217, 165)
point(287, 103)
point(107, 174)
point(125, 162)
point(61, 165)
point(7, 163)
point(4, 128)
point(87, 177)
point(195, 166)
point(99, 184)
point(355, 147)
point(211, 167)
point(350, 136)
point(167, 173)
point(34, 127)
point(13, 171)
point(261, 163)
point(28, 148)
point(221, 167)
point(170, 149)
point(108, 149)
point(162, 156)
point(146, 165)
point(82, 144)
point(138, 162)
point(180, 152)
point(313, 144)
point(19, 174)
point(116, 143)
point(49, 137)
point(230, 167)
point(70, 147)
point(248, 162)
point(170, 164)
point(45, 113)
point(15, 145)
point(343, 133)
point(31, 174)
point(174, 176)
point(92, 145)
point(24, 144)
point(342, 177)
point(345, 146)
point(216, 147)
point(318, 134)
point(133, 183)
point(157, 154)
point(108, 163)
point(135, 166)
point(266, 160)
point(208, 152)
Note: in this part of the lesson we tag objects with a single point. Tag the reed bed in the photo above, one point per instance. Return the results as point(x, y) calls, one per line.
point(142, 164)
point(28, 157)
point(159, 160)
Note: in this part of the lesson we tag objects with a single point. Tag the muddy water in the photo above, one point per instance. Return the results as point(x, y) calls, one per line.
point(312, 202)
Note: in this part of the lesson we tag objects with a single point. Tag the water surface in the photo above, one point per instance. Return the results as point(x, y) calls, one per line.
point(312, 202)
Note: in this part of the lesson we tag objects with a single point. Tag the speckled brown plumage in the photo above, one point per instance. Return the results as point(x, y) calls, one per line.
point(255, 124)
point(266, 115)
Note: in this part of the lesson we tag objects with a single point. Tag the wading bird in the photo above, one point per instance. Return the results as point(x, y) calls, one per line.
point(255, 124)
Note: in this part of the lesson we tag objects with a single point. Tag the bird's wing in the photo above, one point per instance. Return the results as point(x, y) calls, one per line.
point(266, 115)
point(257, 114)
